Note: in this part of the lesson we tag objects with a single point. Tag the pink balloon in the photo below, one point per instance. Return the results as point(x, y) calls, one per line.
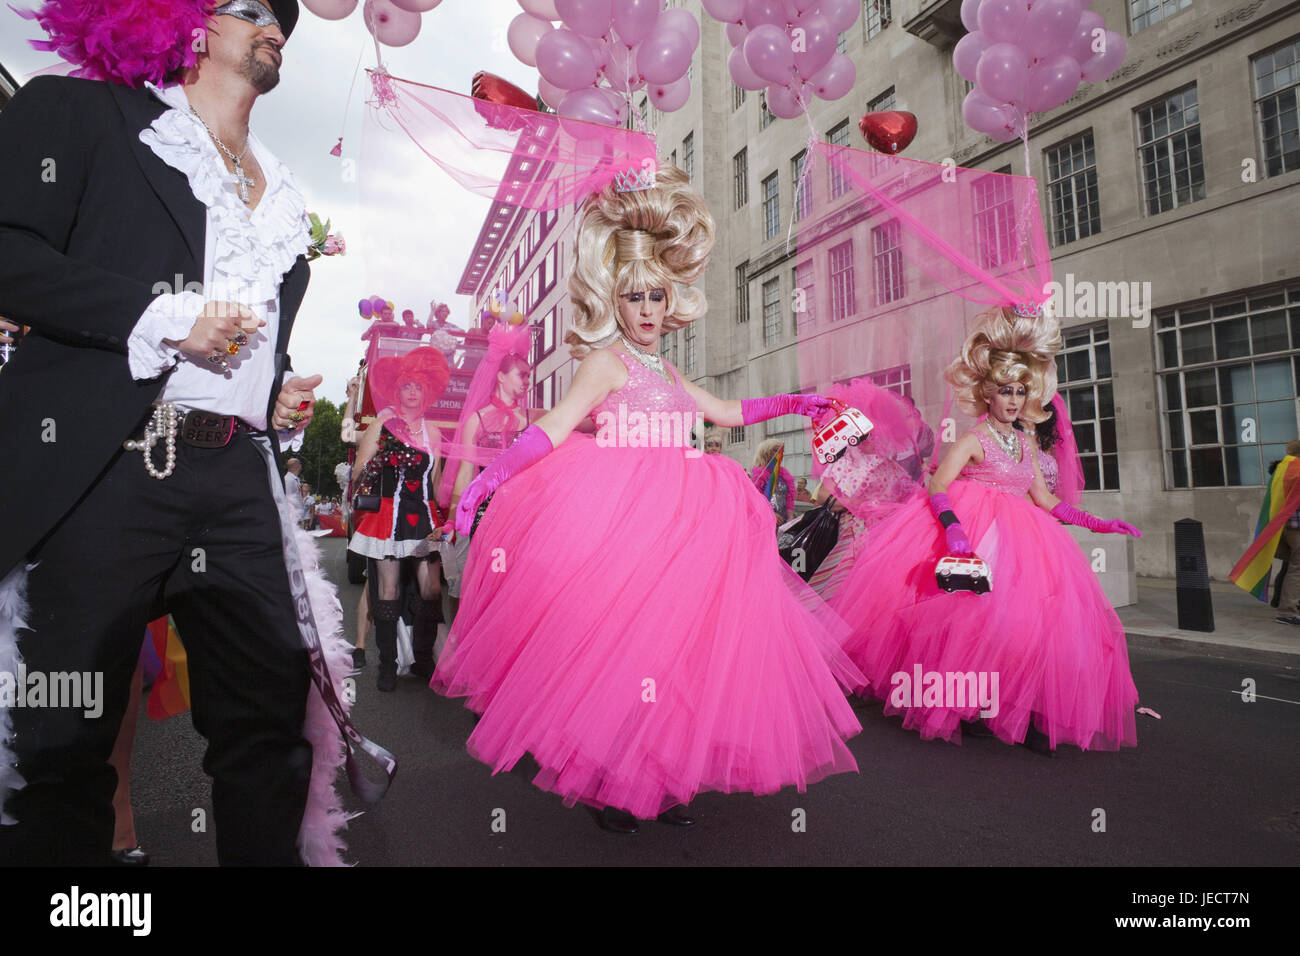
point(364, 306)
point(330, 9)
point(1103, 65)
point(599, 48)
point(970, 15)
point(590, 18)
point(782, 103)
point(551, 94)
point(736, 33)
point(564, 60)
point(814, 46)
point(836, 78)
point(522, 36)
point(983, 115)
point(725, 11)
point(663, 57)
point(591, 106)
point(542, 9)
point(1050, 27)
point(1051, 82)
point(622, 72)
point(377, 304)
point(671, 97)
point(758, 12)
point(1085, 34)
point(841, 13)
point(389, 24)
point(634, 20)
point(966, 55)
point(767, 50)
point(1003, 20)
point(741, 72)
point(417, 6)
point(1002, 72)
point(797, 9)
point(684, 22)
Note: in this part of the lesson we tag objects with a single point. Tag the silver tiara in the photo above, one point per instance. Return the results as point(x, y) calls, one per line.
point(1027, 310)
point(634, 179)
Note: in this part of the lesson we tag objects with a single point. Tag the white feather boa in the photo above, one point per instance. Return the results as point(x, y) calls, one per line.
point(13, 617)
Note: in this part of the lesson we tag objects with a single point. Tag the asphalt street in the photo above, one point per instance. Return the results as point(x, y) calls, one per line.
point(1212, 782)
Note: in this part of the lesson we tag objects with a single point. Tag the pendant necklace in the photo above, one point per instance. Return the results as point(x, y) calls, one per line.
point(649, 359)
point(1009, 443)
point(242, 181)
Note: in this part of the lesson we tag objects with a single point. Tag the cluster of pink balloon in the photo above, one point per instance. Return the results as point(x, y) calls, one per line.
point(604, 50)
point(1028, 56)
point(790, 47)
point(391, 22)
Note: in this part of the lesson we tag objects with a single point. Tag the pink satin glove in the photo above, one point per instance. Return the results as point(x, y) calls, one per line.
point(530, 447)
point(761, 409)
point(956, 541)
point(1072, 515)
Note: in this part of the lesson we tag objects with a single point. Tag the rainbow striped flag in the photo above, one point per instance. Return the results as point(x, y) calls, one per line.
point(170, 694)
point(774, 469)
point(1280, 502)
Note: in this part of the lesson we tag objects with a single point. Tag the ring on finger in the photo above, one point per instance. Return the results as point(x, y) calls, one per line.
point(240, 338)
point(218, 358)
point(296, 416)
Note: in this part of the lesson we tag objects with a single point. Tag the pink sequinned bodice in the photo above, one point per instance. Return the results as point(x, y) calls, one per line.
point(646, 406)
point(998, 469)
point(1050, 469)
point(864, 482)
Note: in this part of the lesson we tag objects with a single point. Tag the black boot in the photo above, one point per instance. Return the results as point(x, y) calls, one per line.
point(424, 633)
point(386, 614)
point(1039, 742)
point(614, 820)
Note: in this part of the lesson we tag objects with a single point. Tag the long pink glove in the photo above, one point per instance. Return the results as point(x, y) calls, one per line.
point(1072, 515)
point(761, 409)
point(530, 447)
point(957, 542)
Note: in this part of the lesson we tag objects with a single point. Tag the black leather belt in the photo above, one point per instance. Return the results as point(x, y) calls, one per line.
point(208, 430)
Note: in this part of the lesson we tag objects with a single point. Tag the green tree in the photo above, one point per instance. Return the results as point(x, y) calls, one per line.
point(323, 448)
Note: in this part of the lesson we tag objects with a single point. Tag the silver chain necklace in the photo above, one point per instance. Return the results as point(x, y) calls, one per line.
point(242, 181)
point(649, 359)
point(1008, 443)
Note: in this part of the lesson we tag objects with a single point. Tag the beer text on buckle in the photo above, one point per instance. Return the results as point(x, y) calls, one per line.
point(208, 431)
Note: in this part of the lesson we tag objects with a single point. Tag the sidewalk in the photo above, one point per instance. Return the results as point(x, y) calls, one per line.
point(1239, 619)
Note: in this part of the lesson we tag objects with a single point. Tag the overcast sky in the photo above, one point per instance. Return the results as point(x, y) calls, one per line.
point(421, 229)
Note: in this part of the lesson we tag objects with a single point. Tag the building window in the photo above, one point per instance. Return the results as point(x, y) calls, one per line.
point(742, 293)
point(1228, 387)
point(672, 158)
point(875, 16)
point(544, 392)
point(771, 206)
point(737, 97)
point(1072, 190)
point(547, 337)
point(885, 101)
point(1084, 379)
point(897, 379)
point(1277, 89)
point(1145, 13)
point(736, 436)
point(668, 347)
point(843, 303)
point(688, 156)
point(841, 43)
point(995, 219)
point(805, 295)
point(838, 136)
point(643, 114)
point(802, 186)
point(887, 262)
point(688, 337)
point(765, 116)
point(1169, 149)
point(740, 176)
point(771, 311)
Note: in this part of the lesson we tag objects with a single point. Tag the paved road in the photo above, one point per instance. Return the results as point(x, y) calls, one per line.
point(1213, 782)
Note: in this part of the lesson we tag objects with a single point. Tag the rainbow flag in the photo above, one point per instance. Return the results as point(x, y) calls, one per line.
point(774, 469)
point(170, 694)
point(1280, 502)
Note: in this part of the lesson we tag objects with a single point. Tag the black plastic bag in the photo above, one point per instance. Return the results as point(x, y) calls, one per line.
point(812, 537)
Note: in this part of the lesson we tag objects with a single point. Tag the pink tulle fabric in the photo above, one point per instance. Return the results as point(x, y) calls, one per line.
point(1046, 629)
point(898, 430)
point(503, 339)
point(626, 620)
point(127, 41)
point(516, 156)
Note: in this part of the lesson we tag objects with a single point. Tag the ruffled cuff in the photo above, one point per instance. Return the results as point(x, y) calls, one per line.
point(170, 316)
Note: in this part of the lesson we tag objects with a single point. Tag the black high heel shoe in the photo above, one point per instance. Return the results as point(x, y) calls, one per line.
point(133, 857)
point(676, 817)
point(613, 820)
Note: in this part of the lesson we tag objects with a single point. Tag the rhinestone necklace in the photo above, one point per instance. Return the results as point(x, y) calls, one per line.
point(242, 181)
point(1009, 443)
point(650, 360)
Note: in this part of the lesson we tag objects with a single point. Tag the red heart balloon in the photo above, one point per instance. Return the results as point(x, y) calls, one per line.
point(412, 486)
point(490, 87)
point(889, 131)
point(412, 519)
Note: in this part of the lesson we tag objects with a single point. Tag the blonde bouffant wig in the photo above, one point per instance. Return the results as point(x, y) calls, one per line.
point(657, 238)
point(1004, 349)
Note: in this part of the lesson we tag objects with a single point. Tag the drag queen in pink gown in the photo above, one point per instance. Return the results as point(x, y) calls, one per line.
point(580, 637)
point(1045, 630)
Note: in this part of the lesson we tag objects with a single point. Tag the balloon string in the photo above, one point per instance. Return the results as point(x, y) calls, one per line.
point(369, 14)
point(356, 71)
point(809, 154)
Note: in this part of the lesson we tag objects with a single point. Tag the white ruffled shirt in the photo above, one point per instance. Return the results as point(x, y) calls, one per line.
point(245, 257)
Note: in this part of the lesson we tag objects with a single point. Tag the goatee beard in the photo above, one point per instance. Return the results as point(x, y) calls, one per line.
point(261, 74)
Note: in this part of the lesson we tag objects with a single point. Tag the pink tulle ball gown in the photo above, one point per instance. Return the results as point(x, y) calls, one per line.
point(625, 619)
point(1045, 632)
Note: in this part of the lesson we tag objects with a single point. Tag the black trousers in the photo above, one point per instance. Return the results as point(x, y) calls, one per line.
point(203, 544)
